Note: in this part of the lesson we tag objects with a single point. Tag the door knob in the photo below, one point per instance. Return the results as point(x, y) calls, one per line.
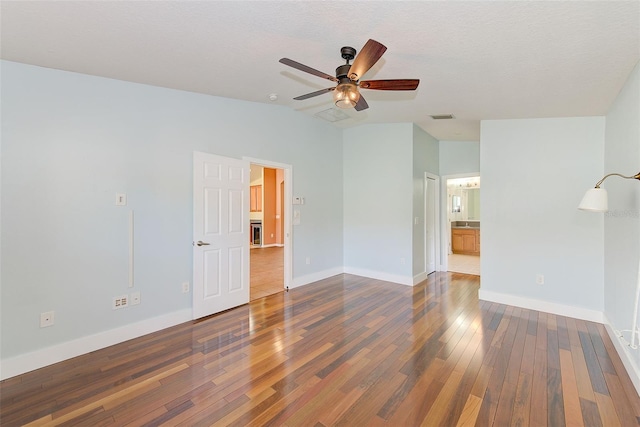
point(201, 243)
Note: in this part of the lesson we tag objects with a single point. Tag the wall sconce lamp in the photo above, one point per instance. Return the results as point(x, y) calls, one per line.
point(595, 199)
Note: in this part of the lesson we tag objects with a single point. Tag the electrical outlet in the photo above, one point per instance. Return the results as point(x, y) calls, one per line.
point(540, 279)
point(185, 287)
point(402, 261)
point(46, 319)
point(135, 298)
point(308, 260)
point(120, 302)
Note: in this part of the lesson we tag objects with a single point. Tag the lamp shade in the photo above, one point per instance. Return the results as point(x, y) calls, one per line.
point(595, 200)
point(346, 95)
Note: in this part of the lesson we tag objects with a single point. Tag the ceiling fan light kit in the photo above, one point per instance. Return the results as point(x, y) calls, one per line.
point(346, 93)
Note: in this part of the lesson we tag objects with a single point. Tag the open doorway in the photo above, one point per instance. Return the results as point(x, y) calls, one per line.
point(463, 221)
point(267, 230)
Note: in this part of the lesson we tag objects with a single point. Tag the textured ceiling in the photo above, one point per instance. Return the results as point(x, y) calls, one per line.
point(475, 60)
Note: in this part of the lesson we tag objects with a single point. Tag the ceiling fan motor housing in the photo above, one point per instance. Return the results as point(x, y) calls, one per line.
point(342, 72)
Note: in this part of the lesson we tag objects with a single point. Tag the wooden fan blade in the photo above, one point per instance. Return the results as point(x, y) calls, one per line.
point(361, 104)
point(396, 84)
point(312, 94)
point(302, 67)
point(369, 55)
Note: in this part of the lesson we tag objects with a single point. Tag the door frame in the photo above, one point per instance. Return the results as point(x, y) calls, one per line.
point(288, 211)
point(436, 218)
point(445, 226)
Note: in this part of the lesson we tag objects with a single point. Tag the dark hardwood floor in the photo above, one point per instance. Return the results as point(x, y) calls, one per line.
point(345, 351)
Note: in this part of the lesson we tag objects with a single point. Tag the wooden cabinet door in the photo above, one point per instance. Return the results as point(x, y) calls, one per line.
point(255, 198)
point(457, 242)
point(469, 242)
point(465, 241)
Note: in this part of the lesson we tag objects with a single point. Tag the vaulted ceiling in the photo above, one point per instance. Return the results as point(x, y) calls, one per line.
point(476, 60)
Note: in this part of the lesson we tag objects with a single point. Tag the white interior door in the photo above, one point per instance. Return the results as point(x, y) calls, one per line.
point(430, 225)
point(220, 233)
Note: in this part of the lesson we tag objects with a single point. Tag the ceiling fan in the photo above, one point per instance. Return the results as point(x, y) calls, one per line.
point(346, 94)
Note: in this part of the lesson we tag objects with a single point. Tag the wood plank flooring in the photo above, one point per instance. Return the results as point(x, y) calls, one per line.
point(346, 351)
point(267, 271)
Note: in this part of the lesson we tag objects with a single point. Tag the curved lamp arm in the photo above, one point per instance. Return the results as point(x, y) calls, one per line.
point(595, 199)
point(637, 176)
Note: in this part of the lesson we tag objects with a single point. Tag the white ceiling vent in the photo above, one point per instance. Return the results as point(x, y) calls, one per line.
point(442, 117)
point(332, 115)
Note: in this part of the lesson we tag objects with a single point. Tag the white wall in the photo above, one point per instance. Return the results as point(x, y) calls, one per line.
point(378, 201)
point(622, 222)
point(71, 141)
point(534, 173)
point(425, 159)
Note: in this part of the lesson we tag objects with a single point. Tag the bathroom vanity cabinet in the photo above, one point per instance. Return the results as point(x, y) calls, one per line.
point(465, 240)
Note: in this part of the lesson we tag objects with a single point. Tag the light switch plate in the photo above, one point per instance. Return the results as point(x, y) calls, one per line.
point(121, 199)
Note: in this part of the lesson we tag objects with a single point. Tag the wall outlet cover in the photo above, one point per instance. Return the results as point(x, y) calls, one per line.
point(47, 319)
point(135, 298)
point(120, 302)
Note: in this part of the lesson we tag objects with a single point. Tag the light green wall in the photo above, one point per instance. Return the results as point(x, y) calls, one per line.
point(534, 173)
point(378, 200)
point(71, 141)
point(622, 222)
point(459, 157)
point(425, 159)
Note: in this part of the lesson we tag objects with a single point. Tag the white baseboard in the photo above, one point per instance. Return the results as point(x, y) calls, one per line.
point(314, 277)
point(17, 365)
point(545, 306)
point(419, 278)
point(403, 280)
point(624, 351)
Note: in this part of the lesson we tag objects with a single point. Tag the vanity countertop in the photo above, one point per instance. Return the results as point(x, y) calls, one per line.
point(472, 224)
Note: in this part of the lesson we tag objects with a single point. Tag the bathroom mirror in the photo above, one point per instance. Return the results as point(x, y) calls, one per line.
point(473, 204)
point(456, 204)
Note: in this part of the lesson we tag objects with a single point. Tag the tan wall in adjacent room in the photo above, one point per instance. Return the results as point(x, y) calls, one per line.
point(269, 186)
